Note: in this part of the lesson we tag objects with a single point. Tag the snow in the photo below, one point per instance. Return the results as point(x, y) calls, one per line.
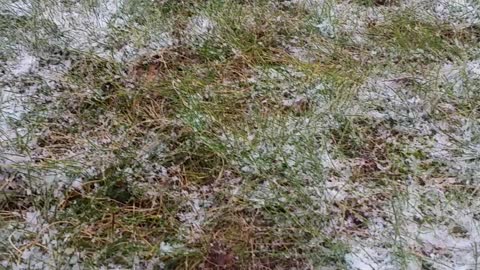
point(18, 8)
point(88, 30)
point(461, 77)
point(25, 65)
point(24, 74)
point(349, 20)
point(449, 242)
point(84, 29)
point(199, 27)
point(12, 98)
point(451, 251)
point(459, 12)
point(369, 259)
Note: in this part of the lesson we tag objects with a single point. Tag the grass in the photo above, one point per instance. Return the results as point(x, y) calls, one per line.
point(237, 135)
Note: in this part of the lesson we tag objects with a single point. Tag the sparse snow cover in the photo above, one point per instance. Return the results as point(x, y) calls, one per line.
point(459, 12)
point(199, 28)
point(131, 51)
point(449, 241)
point(22, 78)
point(390, 98)
point(18, 8)
point(23, 75)
point(12, 106)
point(461, 78)
point(349, 20)
point(84, 28)
point(194, 215)
point(25, 65)
point(41, 255)
point(15, 91)
point(365, 258)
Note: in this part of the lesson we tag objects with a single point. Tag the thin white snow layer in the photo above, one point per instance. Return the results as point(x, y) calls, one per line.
point(21, 78)
point(428, 225)
point(13, 98)
point(351, 20)
point(461, 78)
point(85, 28)
point(89, 29)
point(348, 20)
point(24, 64)
point(448, 241)
point(367, 258)
point(18, 8)
point(199, 27)
point(459, 13)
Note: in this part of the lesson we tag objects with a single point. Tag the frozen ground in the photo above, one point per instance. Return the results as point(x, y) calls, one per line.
point(240, 135)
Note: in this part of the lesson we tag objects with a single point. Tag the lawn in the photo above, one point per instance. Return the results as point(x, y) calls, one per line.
point(240, 134)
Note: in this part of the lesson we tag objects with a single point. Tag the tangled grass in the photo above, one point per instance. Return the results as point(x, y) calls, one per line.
point(231, 134)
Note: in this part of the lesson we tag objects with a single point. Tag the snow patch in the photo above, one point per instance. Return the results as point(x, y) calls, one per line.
point(19, 8)
point(461, 77)
point(25, 65)
point(459, 12)
point(365, 258)
point(345, 19)
point(199, 28)
point(84, 28)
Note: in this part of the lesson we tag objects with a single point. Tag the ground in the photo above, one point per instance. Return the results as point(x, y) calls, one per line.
point(240, 134)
